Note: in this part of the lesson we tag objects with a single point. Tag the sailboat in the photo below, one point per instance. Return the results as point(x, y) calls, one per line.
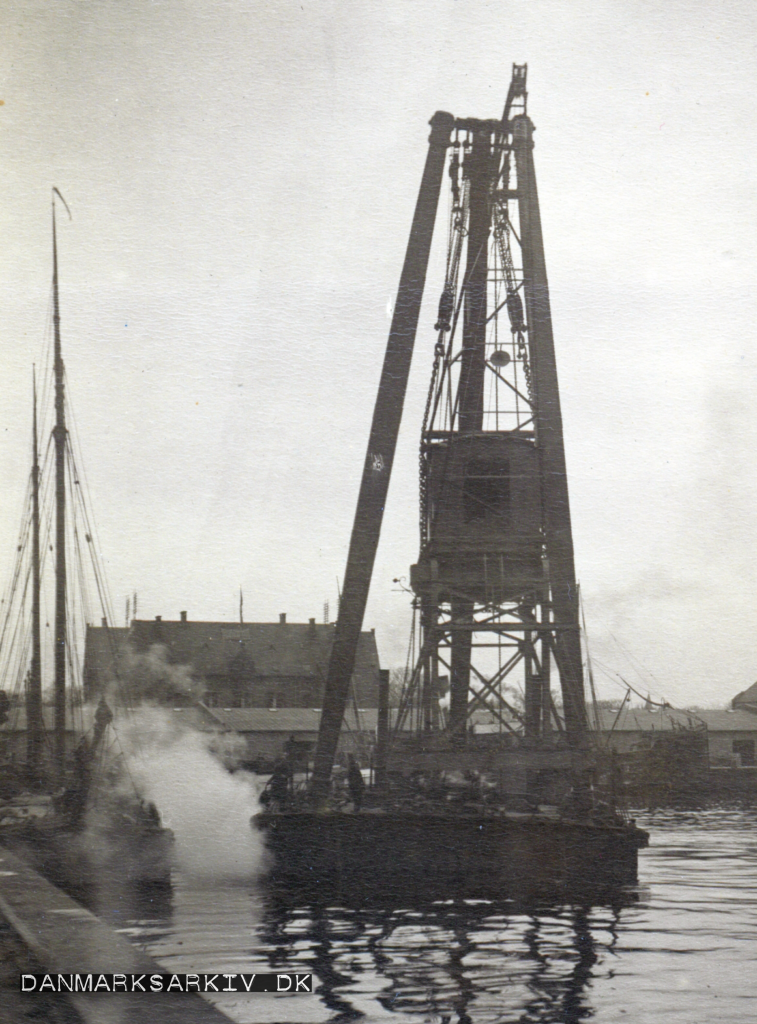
point(64, 803)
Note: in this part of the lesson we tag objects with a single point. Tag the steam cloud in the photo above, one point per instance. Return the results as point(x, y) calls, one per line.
point(150, 677)
point(183, 771)
point(207, 808)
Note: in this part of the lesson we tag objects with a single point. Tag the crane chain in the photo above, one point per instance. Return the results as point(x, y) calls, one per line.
point(447, 306)
point(517, 327)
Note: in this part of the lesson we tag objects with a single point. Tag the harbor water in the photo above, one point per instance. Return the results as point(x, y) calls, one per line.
point(681, 947)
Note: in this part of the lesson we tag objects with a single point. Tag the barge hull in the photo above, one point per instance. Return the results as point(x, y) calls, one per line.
point(470, 856)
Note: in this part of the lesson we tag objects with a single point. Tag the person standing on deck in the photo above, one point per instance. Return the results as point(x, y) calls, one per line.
point(279, 783)
point(355, 782)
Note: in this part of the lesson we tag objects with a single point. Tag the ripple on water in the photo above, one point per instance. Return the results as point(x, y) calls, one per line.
point(678, 949)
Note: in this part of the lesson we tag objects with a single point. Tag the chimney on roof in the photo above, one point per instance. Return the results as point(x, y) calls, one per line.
point(282, 618)
point(104, 621)
point(311, 621)
point(158, 618)
point(183, 616)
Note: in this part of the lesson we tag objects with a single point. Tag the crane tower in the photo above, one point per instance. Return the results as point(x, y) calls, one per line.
point(495, 578)
point(494, 583)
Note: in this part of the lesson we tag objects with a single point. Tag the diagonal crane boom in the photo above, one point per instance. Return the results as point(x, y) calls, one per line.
point(380, 455)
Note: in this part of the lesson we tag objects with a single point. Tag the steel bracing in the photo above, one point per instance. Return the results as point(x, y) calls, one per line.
point(494, 584)
point(495, 578)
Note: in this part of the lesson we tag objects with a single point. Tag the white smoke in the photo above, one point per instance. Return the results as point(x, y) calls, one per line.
point(151, 677)
point(207, 808)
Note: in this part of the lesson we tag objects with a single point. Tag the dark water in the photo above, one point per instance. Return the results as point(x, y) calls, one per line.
point(680, 948)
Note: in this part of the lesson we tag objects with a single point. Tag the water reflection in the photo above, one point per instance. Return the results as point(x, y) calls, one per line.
point(446, 961)
point(678, 949)
point(115, 900)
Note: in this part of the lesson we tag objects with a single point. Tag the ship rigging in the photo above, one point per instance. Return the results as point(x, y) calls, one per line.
point(58, 533)
point(73, 762)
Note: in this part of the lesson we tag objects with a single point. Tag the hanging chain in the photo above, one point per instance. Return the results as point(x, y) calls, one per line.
point(514, 302)
point(447, 304)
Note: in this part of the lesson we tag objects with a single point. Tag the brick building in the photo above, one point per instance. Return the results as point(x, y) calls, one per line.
point(224, 664)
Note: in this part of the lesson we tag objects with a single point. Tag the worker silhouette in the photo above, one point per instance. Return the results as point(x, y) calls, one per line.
point(355, 782)
point(279, 783)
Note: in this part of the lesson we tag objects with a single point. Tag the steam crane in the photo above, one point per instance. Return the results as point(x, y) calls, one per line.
point(495, 571)
point(494, 584)
point(495, 578)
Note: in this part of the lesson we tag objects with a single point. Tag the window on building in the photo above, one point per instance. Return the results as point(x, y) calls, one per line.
point(486, 489)
point(745, 750)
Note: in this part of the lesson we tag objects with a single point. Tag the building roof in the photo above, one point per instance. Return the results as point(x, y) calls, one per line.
point(199, 716)
point(285, 719)
point(79, 720)
point(729, 721)
point(102, 645)
point(294, 720)
point(748, 696)
point(274, 649)
point(303, 719)
point(641, 720)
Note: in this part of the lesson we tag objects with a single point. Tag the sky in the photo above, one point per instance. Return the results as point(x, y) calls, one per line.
point(242, 177)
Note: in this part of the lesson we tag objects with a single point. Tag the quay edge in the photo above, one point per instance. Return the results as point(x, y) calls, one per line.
point(65, 938)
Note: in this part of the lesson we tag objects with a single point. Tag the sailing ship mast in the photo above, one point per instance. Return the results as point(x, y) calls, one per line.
point(59, 438)
point(34, 723)
point(39, 766)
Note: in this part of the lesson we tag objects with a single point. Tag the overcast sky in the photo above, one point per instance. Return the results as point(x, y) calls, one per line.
point(242, 178)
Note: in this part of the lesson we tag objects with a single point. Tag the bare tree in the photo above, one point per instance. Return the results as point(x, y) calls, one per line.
point(396, 686)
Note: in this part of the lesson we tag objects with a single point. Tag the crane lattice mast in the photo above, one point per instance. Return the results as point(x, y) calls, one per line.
point(495, 577)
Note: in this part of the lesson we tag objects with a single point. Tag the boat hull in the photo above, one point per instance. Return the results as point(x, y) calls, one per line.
point(469, 855)
point(84, 863)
